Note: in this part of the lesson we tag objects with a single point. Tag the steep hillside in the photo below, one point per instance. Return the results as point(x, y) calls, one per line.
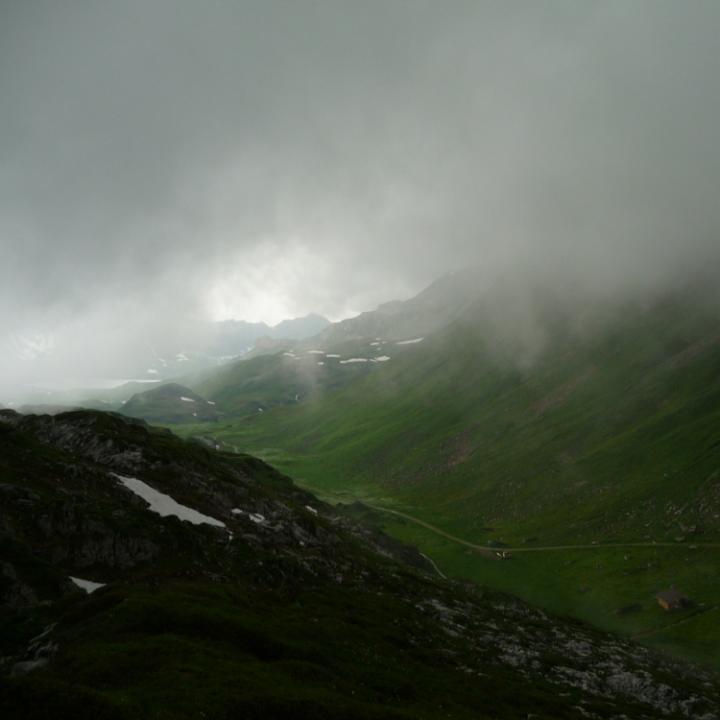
point(171, 403)
point(590, 429)
point(143, 576)
point(563, 434)
point(295, 376)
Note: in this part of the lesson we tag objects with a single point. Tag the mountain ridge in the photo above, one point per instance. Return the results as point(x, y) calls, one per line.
point(274, 603)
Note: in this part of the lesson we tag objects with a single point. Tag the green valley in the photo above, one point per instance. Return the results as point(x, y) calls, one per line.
point(607, 435)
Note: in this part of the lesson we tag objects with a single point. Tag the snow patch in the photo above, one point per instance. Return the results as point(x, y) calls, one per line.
point(332, 356)
point(311, 509)
point(320, 362)
point(315, 352)
point(382, 358)
point(210, 402)
point(257, 518)
point(87, 585)
point(353, 360)
point(410, 342)
point(164, 505)
point(184, 399)
point(152, 371)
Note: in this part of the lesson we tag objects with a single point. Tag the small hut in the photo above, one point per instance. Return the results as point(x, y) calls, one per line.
point(672, 600)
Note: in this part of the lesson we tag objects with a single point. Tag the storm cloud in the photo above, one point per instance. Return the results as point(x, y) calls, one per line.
point(168, 160)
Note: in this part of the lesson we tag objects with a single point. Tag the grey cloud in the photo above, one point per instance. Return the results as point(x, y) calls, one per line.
point(152, 151)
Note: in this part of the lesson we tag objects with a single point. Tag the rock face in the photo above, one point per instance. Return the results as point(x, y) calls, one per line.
point(280, 608)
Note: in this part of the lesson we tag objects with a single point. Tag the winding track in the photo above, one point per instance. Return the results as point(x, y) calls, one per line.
point(489, 551)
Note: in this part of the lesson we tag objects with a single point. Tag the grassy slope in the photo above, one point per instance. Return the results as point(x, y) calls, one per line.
point(613, 438)
point(166, 404)
point(189, 650)
point(244, 655)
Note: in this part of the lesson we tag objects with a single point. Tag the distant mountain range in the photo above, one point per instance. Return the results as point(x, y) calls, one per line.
point(215, 343)
point(235, 337)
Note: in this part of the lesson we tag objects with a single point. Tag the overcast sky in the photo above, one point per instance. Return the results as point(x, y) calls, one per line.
point(162, 160)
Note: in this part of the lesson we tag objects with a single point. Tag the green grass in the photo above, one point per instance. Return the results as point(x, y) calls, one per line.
point(610, 436)
point(192, 651)
point(593, 585)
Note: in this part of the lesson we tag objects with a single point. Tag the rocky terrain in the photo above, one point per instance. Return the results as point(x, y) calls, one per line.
point(145, 576)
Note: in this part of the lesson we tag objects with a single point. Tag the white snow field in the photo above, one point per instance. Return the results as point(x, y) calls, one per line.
point(164, 505)
point(87, 585)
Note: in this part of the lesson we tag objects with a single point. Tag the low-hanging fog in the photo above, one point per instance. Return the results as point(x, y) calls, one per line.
point(166, 162)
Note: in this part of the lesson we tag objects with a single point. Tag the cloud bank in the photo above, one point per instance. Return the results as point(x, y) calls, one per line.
point(163, 161)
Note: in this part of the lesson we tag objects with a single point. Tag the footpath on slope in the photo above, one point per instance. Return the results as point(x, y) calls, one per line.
point(489, 551)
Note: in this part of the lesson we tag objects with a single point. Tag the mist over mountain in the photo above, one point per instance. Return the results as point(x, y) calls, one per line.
point(166, 163)
point(198, 347)
point(235, 337)
point(363, 358)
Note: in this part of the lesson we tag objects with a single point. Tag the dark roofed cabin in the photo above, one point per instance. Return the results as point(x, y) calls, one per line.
point(672, 600)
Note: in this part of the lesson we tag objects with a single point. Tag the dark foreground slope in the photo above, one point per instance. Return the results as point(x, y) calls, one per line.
point(265, 603)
